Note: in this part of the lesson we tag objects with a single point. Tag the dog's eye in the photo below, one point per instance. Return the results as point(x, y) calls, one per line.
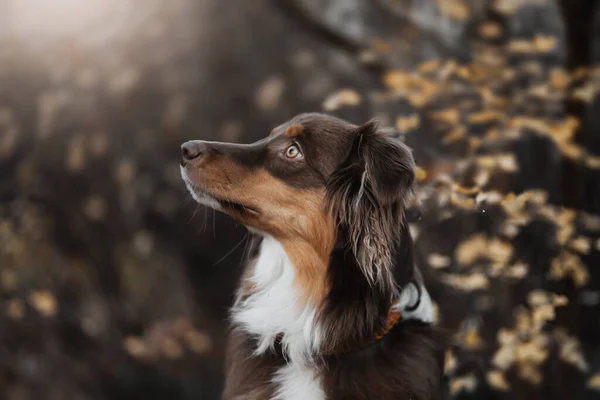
point(293, 151)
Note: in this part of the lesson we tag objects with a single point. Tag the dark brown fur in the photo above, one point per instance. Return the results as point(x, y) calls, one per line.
point(405, 364)
point(338, 211)
point(248, 376)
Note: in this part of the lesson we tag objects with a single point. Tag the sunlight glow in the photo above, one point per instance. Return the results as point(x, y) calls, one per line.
point(42, 20)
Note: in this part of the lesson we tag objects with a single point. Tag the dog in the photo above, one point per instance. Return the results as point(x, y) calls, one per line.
point(332, 305)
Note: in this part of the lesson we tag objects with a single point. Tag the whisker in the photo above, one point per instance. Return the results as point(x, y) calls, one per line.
point(247, 247)
point(194, 213)
point(205, 218)
point(254, 239)
point(232, 250)
point(213, 223)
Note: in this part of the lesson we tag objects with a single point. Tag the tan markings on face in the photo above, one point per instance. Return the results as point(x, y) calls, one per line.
point(296, 218)
point(294, 130)
point(273, 131)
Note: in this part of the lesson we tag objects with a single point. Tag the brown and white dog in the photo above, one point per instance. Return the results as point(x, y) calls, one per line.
point(332, 306)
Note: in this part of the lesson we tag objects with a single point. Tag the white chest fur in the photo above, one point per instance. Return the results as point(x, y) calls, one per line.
point(296, 381)
point(274, 307)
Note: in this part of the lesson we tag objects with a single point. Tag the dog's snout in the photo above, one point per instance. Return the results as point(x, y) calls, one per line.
point(193, 150)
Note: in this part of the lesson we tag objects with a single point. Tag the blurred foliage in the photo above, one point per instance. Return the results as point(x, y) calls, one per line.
point(114, 285)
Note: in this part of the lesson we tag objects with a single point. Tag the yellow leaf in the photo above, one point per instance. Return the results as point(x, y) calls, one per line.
point(44, 303)
point(420, 174)
point(471, 249)
point(490, 30)
point(405, 124)
point(497, 380)
point(342, 98)
point(544, 44)
point(594, 382)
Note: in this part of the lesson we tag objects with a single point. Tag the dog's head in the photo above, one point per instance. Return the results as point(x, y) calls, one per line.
point(314, 179)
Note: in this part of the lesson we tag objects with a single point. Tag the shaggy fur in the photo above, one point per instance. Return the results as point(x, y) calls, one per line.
point(366, 196)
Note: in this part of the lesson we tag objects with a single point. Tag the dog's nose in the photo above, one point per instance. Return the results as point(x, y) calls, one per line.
point(192, 150)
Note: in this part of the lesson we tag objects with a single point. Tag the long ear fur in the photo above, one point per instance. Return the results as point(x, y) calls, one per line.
point(366, 196)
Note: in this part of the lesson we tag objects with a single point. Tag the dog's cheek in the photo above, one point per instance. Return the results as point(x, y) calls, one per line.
point(298, 213)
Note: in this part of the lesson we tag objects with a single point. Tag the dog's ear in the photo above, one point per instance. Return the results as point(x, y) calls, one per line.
point(366, 195)
point(389, 167)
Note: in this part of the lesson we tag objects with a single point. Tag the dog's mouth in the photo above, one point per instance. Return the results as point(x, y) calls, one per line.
point(226, 204)
point(238, 208)
point(210, 199)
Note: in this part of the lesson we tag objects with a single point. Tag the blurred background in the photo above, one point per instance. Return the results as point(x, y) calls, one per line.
point(115, 285)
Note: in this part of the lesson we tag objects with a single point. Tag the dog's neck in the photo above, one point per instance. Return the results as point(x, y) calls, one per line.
point(273, 307)
point(271, 303)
